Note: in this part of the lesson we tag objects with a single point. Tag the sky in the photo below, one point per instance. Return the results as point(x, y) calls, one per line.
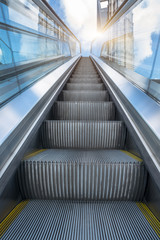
point(81, 17)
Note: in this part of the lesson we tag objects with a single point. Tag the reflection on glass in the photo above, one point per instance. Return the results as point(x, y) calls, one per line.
point(5, 54)
point(133, 42)
point(32, 36)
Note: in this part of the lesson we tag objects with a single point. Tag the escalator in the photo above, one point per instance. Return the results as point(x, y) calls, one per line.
point(82, 182)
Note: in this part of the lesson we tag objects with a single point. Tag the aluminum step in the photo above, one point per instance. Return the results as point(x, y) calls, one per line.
point(85, 80)
point(85, 69)
point(83, 220)
point(84, 75)
point(84, 72)
point(84, 111)
point(86, 175)
point(68, 95)
point(83, 134)
point(85, 86)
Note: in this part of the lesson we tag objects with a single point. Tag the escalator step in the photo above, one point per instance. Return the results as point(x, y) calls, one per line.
point(85, 86)
point(79, 174)
point(82, 220)
point(82, 75)
point(68, 95)
point(83, 134)
point(85, 80)
point(84, 111)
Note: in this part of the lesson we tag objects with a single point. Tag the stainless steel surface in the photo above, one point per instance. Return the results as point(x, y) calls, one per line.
point(82, 174)
point(14, 112)
point(84, 111)
point(20, 117)
point(85, 86)
point(89, 96)
point(154, 88)
point(141, 112)
point(84, 80)
point(83, 134)
point(10, 197)
point(79, 174)
point(135, 78)
point(148, 109)
point(132, 145)
point(80, 220)
point(152, 197)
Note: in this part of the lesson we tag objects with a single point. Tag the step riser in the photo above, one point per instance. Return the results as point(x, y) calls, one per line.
point(85, 86)
point(84, 74)
point(49, 180)
point(86, 77)
point(81, 134)
point(84, 111)
point(85, 96)
point(84, 80)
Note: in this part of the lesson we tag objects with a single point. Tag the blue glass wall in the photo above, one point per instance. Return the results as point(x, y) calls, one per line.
point(132, 44)
point(29, 35)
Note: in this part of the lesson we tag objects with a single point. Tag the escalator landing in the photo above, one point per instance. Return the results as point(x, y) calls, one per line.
point(58, 219)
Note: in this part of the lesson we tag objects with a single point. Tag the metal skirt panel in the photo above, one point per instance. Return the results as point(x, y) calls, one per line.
point(84, 111)
point(91, 181)
point(83, 134)
point(80, 221)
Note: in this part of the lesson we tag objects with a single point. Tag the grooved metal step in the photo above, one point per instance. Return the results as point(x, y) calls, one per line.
point(86, 77)
point(68, 95)
point(85, 86)
point(77, 75)
point(86, 73)
point(82, 220)
point(79, 174)
point(85, 80)
point(84, 111)
point(83, 134)
point(85, 70)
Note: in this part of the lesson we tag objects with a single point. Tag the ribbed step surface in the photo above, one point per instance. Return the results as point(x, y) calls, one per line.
point(85, 86)
point(85, 80)
point(81, 220)
point(79, 174)
point(84, 111)
point(83, 134)
point(76, 75)
point(83, 71)
point(68, 95)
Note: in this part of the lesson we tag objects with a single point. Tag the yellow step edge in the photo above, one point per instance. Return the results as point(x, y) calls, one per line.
point(34, 153)
point(4, 225)
point(153, 221)
point(132, 156)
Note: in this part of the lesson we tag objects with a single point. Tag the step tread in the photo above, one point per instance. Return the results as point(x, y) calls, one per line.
point(85, 86)
point(84, 110)
point(83, 95)
point(89, 220)
point(84, 80)
point(78, 156)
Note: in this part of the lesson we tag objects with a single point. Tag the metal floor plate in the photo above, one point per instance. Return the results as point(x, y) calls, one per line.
point(80, 220)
